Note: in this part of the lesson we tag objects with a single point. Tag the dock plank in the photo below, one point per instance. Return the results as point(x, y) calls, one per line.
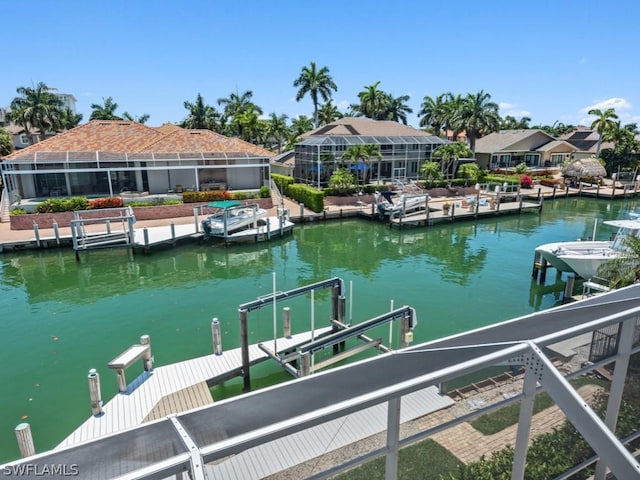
point(130, 408)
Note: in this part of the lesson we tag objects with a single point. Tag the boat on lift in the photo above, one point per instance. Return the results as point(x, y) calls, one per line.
point(232, 217)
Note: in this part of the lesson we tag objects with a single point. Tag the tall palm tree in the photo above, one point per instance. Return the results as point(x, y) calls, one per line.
point(327, 113)
point(450, 153)
point(453, 105)
point(235, 106)
point(107, 111)
point(301, 124)
point(361, 154)
point(397, 109)
point(602, 124)
point(277, 129)
point(373, 104)
point(510, 122)
point(315, 82)
point(433, 113)
point(201, 115)
point(477, 116)
point(36, 108)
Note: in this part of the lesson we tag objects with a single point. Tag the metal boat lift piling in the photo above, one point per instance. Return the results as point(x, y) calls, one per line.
point(302, 355)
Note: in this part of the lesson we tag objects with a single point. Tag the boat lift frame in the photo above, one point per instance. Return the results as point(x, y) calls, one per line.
point(336, 338)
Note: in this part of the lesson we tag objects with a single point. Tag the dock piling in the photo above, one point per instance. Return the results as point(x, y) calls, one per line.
point(94, 392)
point(302, 212)
point(217, 337)
point(36, 231)
point(173, 232)
point(56, 233)
point(25, 440)
point(305, 364)
point(195, 219)
point(244, 345)
point(568, 287)
point(286, 322)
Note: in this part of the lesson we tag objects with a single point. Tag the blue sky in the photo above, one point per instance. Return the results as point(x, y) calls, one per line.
point(548, 60)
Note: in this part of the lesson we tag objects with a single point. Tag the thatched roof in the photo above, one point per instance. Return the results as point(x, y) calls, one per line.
point(586, 167)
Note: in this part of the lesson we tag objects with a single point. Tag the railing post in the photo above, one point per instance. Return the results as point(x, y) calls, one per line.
point(147, 359)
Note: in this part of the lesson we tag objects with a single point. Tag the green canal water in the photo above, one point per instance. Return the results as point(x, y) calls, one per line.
point(61, 318)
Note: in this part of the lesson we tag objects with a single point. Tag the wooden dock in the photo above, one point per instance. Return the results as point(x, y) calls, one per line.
point(150, 394)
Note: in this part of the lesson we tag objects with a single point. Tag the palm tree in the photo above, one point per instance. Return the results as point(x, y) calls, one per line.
point(512, 123)
point(603, 124)
point(277, 129)
point(450, 153)
point(397, 109)
point(361, 154)
point(373, 102)
point(69, 120)
point(142, 119)
point(36, 108)
point(107, 111)
point(201, 115)
point(624, 269)
point(430, 171)
point(433, 113)
point(327, 113)
point(316, 83)
point(301, 124)
point(235, 106)
point(477, 116)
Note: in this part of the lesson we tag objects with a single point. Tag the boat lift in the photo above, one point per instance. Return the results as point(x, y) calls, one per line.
point(302, 354)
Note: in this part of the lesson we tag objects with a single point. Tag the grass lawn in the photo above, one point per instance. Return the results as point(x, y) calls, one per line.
point(505, 417)
point(423, 460)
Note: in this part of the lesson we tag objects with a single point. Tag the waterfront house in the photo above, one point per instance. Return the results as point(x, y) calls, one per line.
point(403, 149)
point(107, 158)
point(585, 142)
point(534, 148)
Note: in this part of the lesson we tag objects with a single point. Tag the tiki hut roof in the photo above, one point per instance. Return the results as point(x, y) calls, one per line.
point(585, 167)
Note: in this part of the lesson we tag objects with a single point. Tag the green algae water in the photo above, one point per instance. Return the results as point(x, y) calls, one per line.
point(60, 318)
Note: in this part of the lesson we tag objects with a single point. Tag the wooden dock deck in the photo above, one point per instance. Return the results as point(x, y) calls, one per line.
point(142, 400)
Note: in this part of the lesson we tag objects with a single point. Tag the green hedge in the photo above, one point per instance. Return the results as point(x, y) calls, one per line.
point(311, 197)
point(206, 196)
point(63, 205)
point(282, 182)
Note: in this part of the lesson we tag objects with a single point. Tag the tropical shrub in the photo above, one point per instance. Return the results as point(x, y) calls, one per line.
point(470, 172)
point(107, 202)
point(311, 197)
point(18, 211)
point(207, 196)
point(265, 192)
point(526, 181)
point(521, 168)
point(63, 205)
point(341, 181)
point(240, 196)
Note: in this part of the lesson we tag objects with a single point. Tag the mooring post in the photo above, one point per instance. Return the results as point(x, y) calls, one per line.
point(195, 219)
point(25, 440)
point(568, 287)
point(553, 195)
point(147, 358)
point(36, 231)
point(305, 364)
point(244, 345)
point(302, 212)
point(543, 270)
point(94, 392)
point(453, 209)
point(108, 225)
point(539, 194)
point(286, 322)
point(56, 233)
point(341, 308)
point(145, 232)
point(536, 265)
point(217, 337)
point(598, 190)
point(406, 335)
point(173, 232)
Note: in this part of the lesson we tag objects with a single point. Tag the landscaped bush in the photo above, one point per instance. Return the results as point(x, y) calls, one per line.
point(63, 205)
point(18, 211)
point(240, 196)
point(265, 192)
point(311, 197)
point(282, 182)
point(526, 181)
point(208, 196)
point(107, 202)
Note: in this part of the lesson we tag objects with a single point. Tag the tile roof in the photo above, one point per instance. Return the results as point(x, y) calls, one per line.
point(585, 140)
point(132, 137)
point(366, 127)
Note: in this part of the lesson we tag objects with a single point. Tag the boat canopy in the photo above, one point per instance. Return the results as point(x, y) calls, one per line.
point(224, 204)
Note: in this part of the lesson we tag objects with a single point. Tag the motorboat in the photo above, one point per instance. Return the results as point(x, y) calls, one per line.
point(231, 219)
point(585, 257)
point(403, 204)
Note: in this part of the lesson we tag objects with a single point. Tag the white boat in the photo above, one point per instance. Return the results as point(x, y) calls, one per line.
point(231, 219)
point(402, 205)
point(585, 257)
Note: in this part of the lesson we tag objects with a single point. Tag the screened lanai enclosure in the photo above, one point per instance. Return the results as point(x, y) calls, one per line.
point(98, 173)
point(318, 156)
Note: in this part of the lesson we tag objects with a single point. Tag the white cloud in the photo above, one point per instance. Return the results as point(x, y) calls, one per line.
point(343, 105)
point(616, 103)
point(512, 110)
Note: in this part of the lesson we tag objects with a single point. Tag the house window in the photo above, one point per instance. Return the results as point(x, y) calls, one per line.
point(24, 139)
point(531, 160)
